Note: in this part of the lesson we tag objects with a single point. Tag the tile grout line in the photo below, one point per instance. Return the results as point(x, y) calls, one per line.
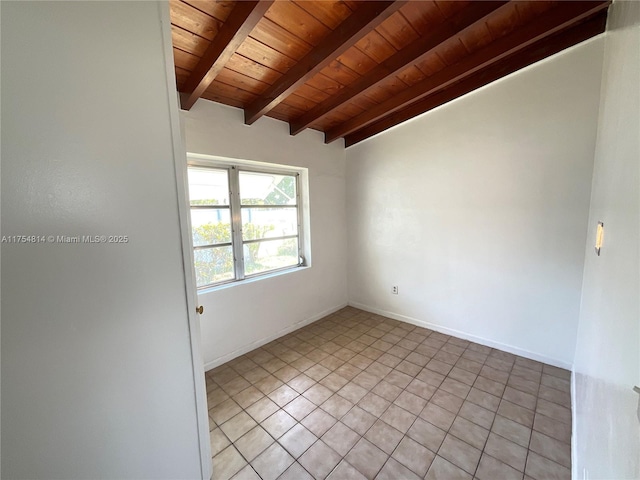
point(371, 324)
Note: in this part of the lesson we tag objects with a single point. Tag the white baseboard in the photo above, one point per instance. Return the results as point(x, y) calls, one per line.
point(263, 341)
point(466, 336)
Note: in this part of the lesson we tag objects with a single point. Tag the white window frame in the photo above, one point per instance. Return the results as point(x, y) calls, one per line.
point(234, 167)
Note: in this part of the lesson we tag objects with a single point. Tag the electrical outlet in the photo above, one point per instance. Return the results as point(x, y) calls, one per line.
point(394, 289)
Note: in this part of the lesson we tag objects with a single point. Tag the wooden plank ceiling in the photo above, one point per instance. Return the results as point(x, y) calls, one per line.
point(352, 69)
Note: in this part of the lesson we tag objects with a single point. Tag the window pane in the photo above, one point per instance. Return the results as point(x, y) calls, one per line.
point(270, 255)
point(213, 265)
point(267, 189)
point(208, 186)
point(210, 226)
point(260, 223)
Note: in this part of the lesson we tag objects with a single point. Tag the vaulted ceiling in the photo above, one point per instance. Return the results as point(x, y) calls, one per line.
point(352, 69)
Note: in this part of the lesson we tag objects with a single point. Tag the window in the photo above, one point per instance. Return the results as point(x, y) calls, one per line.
point(245, 222)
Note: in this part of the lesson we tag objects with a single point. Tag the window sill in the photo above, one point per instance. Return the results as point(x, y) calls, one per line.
point(258, 278)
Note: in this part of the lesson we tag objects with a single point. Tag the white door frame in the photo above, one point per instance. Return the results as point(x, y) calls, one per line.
point(180, 161)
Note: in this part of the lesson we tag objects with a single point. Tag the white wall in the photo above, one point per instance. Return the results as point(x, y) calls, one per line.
point(240, 317)
point(97, 378)
point(607, 364)
point(478, 210)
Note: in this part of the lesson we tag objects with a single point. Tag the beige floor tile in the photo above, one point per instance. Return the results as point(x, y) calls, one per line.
point(476, 414)
point(317, 372)
point(442, 469)
point(278, 423)
point(506, 451)
point(439, 367)
point(552, 428)
point(317, 394)
point(455, 387)
point(237, 426)
point(394, 470)
point(227, 463)
point(366, 380)
point(438, 416)
point(274, 365)
point(247, 473)
point(337, 406)
point(283, 395)
point(447, 401)
point(352, 392)
point(255, 375)
point(320, 460)
point(469, 365)
point(555, 411)
point(301, 383)
point(398, 418)
point(253, 443)
point(442, 407)
point(430, 377)
point(469, 432)
point(297, 440)
point(295, 472)
point(223, 412)
point(523, 385)
point(219, 441)
point(511, 430)
point(236, 385)
point(299, 408)
point(408, 368)
point(334, 382)
point(410, 402)
point(489, 386)
point(460, 453)
point(318, 422)
point(494, 374)
point(387, 391)
point(345, 471)
point(555, 382)
point(367, 458)
point(268, 384)
point(271, 463)
point(484, 399)
point(398, 379)
point(543, 468)
point(421, 389)
point(426, 434)
point(262, 409)
point(413, 456)
point(555, 396)
point(492, 469)
point(358, 420)
point(340, 438)
point(384, 436)
point(516, 413)
point(374, 404)
point(523, 399)
point(551, 448)
point(248, 397)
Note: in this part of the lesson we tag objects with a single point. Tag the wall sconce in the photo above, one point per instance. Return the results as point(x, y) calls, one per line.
point(599, 235)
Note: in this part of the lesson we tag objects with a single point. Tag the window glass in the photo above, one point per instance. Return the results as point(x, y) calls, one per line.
point(264, 209)
point(267, 189)
point(270, 255)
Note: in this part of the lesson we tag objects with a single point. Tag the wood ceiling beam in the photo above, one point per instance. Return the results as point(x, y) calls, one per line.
point(368, 16)
point(241, 21)
point(559, 18)
point(413, 53)
point(522, 59)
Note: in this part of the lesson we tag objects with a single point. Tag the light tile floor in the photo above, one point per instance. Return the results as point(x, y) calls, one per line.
point(360, 396)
